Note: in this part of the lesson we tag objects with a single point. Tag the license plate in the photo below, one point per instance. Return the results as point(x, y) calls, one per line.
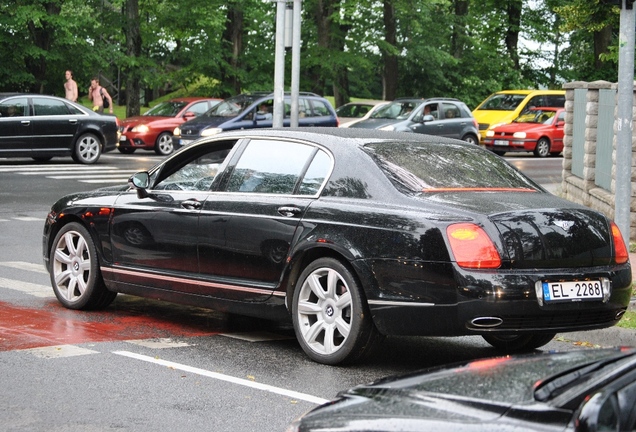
point(501, 142)
point(186, 142)
point(572, 291)
point(122, 138)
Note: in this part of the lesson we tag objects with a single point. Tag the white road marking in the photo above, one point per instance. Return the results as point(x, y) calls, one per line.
point(35, 290)
point(39, 268)
point(51, 168)
point(215, 375)
point(158, 343)
point(29, 219)
point(59, 351)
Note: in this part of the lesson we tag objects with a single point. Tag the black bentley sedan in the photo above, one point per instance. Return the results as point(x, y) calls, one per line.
point(582, 391)
point(42, 127)
point(351, 234)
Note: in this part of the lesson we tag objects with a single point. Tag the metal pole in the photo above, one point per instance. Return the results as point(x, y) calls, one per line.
point(279, 66)
point(624, 121)
point(295, 71)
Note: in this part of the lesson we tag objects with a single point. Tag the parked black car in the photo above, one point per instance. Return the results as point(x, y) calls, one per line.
point(42, 127)
point(254, 111)
point(584, 391)
point(445, 117)
point(353, 233)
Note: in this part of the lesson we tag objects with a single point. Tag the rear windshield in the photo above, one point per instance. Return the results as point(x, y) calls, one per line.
point(441, 167)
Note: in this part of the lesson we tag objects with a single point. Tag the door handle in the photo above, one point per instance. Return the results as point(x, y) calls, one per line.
point(289, 211)
point(72, 121)
point(25, 122)
point(191, 204)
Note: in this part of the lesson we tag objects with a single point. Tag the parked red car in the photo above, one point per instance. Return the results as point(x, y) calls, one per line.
point(538, 130)
point(153, 130)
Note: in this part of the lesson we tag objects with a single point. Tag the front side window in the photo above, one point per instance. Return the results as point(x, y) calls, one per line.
point(199, 173)
point(47, 107)
point(198, 108)
point(15, 107)
point(270, 167)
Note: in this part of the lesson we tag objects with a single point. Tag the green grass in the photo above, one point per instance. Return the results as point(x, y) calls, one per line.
point(628, 321)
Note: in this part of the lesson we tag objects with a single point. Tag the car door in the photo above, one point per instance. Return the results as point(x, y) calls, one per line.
point(15, 126)
point(157, 234)
point(422, 123)
point(54, 127)
point(247, 227)
point(453, 124)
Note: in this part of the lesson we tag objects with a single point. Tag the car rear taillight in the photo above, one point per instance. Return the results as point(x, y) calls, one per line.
point(621, 255)
point(471, 246)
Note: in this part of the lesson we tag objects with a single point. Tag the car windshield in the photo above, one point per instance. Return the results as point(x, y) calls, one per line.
point(230, 107)
point(503, 102)
point(398, 110)
point(166, 109)
point(536, 116)
point(442, 167)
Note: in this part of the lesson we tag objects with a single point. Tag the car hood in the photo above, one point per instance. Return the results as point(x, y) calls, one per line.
point(143, 119)
point(538, 229)
point(464, 394)
point(376, 123)
point(202, 122)
point(521, 127)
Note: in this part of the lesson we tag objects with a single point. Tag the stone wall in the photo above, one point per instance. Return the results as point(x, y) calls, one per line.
point(583, 189)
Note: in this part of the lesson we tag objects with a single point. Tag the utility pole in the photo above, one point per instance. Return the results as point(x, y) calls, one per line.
point(624, 118)
point(284, 18)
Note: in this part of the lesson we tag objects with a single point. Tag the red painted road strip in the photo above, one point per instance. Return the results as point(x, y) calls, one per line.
point(128, 318)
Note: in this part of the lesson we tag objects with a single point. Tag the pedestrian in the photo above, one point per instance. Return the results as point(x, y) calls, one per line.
point(100, 97)
point(70, 87)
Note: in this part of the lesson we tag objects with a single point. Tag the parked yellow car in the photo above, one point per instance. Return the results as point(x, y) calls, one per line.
point(504, 106)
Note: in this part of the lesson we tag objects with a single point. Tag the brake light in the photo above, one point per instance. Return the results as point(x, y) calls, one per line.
point(471, 246)
point(621, 255)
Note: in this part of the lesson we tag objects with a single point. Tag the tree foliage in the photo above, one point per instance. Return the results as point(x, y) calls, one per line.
point(143, 49)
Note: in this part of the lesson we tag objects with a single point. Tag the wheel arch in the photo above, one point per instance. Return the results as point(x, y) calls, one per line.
point(303, 258)
point(64, 221)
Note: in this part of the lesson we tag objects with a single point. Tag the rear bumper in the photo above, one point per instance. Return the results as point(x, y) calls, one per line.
point(480, 302)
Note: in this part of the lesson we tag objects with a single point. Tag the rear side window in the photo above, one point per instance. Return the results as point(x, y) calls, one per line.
point(275, 167)
point(46, 107)
point(429, 167)
point(320, 108)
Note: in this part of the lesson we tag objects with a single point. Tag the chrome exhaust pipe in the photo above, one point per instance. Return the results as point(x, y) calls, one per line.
point(486, 322)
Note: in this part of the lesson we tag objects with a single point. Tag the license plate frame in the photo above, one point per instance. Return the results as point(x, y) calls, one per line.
point(572, 291)
point(502, 142)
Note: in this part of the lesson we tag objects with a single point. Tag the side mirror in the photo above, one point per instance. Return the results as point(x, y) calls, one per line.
point(140, 181)
point(560, 123)
point(189, 115)
point(600, 414)
point(428, 118)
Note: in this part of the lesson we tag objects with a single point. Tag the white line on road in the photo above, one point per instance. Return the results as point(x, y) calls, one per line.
point(38, 268)
point(52, 168)
point(227, 378)
point(35, 290)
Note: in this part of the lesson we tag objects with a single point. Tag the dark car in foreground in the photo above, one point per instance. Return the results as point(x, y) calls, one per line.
point(42, 127)
point(445, 117)
point(584, 390)
point(349, 234)
point(153, 130)
point(255, 111)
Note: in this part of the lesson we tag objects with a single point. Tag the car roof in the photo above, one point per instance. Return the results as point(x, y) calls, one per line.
point(192, 99)
point(333, 137)
point(527, 92)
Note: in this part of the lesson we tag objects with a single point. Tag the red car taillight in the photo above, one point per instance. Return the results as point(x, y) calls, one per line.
point(472, 247)
point(620, 250)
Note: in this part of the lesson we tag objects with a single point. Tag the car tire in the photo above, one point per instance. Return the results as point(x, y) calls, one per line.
point(330, 314)
point(126, 150)
point(517, 343)
point(543, 148)
point(471, 139)
point(87, 150)
point(163, 145)
point(74, 270)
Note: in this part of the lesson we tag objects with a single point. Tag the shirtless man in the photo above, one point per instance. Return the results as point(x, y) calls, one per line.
point(70, 87)
point(96, 93)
